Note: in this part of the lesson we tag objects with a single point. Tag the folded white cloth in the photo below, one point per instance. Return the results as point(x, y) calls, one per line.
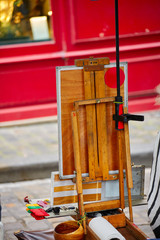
point(104, 230)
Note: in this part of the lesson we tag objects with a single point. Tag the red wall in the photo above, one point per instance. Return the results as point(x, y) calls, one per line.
point(82, 28)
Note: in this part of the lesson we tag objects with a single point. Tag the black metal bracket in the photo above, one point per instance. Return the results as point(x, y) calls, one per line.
point(127, 117)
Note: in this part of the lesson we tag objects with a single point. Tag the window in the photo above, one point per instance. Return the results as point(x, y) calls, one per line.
point(25, 21)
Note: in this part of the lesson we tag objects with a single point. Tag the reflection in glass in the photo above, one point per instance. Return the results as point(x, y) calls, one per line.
point(25, 20)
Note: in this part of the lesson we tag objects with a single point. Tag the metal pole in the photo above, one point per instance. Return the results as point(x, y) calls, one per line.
point(118, 98)
point(117, 49)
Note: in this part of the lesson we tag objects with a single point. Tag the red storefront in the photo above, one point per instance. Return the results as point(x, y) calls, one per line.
point(79, 29)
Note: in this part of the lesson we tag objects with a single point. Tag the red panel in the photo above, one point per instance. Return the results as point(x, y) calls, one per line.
point(142, 105)
point(94, 19)
point(143, 76)
point(27, 85)
point(23, 113)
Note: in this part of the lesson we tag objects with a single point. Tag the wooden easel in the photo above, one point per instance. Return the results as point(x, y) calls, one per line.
point(93, 153)
point(96, 104)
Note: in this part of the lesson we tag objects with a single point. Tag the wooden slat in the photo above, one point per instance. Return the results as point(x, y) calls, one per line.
point(112, 132)
point(92, 185)
point(91, 123)
point(74, 199)
point(137, 233)
point(93, 101)
point(111, 177)
point(130, 204)
point(128, 154)
point(72, 89)
point(65, 200)
point(117, 220)
point(92, 61)
point(99, 206)
point(77, 160)
point(65, 188)
point(92, 197)
point(73, 187)
point(121, 177)
point(128, 167)
point(101, 125)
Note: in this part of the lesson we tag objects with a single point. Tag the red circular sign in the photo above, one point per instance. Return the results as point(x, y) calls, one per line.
point(111, 77)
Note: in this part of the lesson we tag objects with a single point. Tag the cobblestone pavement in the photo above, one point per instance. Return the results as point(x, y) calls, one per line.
point(143, 134)
point(38, 143)
point(28, 144)
point(15, 217)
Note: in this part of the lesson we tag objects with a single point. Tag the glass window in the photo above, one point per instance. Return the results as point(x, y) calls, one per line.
point(25, 21)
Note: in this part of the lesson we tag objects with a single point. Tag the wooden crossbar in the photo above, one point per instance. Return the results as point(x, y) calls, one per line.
point(93, 101)
point(99, 206)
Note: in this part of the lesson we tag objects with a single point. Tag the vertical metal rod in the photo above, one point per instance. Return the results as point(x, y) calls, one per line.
point(117, 48)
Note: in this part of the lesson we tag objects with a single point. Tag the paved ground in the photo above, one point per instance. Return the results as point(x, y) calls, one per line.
point(31, 152)
point(28, 151)
point(14, 216)
point(28, 144)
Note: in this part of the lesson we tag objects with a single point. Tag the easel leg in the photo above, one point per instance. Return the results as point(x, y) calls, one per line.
point(121, 177)
point(128, 170)
point(78, 166)
point(128, 167)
